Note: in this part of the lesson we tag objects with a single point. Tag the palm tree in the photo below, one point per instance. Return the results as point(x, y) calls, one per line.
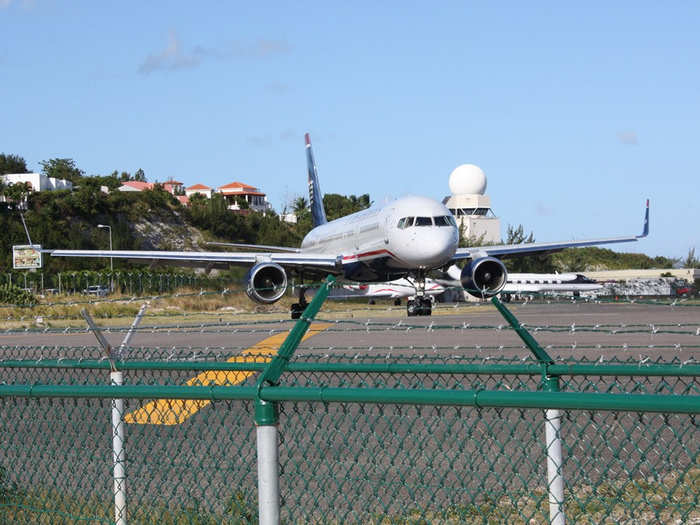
point(300, 205)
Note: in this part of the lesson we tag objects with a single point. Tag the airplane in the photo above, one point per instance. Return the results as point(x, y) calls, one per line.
point(396, 290)
point(517, 283)
point(406, 237)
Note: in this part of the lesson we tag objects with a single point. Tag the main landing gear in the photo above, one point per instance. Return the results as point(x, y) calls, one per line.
point(298, 308)
point(420, 304)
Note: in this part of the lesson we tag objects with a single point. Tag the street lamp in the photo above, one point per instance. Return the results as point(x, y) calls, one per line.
point(111, 266)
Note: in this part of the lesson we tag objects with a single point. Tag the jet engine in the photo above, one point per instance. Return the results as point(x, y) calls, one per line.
point(484, 277)
point(267, 282)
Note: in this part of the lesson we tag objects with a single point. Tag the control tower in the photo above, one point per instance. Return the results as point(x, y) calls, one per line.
point(470, 207)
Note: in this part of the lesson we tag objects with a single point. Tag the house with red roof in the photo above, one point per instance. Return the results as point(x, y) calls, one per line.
point(173, 186)
point(201, 189)
point(236, 192)
point(135, 185)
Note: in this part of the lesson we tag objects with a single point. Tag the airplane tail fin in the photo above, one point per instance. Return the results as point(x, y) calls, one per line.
point(645, 231)
point(318, 214)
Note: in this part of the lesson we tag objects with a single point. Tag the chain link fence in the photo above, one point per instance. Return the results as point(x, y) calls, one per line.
point(194, 461)
point(380, 433)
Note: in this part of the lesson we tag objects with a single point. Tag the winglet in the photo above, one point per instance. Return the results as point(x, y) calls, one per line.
point(645, 231)
point(318, 214)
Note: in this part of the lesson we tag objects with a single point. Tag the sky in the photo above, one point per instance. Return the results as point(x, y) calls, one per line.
point(576, 114)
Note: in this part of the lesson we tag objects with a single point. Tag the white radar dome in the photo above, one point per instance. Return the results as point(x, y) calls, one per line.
point(467, 179)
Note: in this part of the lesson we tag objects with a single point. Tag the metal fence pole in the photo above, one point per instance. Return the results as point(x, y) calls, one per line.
point(553, 447)
point(555, 477)
point(267, 415)
point(266, 419)
point(119, 453)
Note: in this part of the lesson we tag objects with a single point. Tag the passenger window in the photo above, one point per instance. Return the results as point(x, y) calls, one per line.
point(424, 221)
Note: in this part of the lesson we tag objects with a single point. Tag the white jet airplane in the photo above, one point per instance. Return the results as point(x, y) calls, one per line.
point(517, 283)
point(406, 237)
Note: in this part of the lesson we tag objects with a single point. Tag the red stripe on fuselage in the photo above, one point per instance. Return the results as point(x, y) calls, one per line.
point(369, 254)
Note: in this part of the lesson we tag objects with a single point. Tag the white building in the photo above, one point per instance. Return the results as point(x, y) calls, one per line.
point(38, 181)
point(470, 207)
point(199, 189)
point(255, 199)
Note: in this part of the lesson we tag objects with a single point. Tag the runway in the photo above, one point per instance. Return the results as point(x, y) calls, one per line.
point(354, 462)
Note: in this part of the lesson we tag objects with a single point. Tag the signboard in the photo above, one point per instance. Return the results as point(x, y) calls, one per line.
point(26, 256)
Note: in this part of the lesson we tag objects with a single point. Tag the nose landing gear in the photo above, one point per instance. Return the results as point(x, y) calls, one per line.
point(420, 304)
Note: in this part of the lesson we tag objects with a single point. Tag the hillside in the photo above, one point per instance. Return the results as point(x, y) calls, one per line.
point(155, 220)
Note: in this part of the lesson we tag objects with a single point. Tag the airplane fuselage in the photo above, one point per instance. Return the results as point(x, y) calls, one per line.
point(390, 241)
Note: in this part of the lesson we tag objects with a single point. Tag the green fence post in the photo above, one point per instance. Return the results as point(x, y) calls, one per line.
point(553, 445)
point(267, 413)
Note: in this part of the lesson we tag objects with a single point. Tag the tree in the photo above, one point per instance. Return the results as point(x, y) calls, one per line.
point(300, 205)
point(12, 164)
point(139, 175)
point(691, 261)
point(467, 241)
point(61, 169)
point(17, 192)
point(535, 263)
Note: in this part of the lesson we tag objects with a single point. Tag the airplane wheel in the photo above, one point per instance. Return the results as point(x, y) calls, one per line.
point(397, 302)
point(426, 306)
point(372, 301)
point(411, 308)
point(297, 310)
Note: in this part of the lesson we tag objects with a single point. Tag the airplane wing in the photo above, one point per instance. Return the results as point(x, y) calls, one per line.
point(504, 250)
point(327, 262)
point(264, 247)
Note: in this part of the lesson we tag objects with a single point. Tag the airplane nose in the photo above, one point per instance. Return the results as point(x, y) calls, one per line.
point(433, 247)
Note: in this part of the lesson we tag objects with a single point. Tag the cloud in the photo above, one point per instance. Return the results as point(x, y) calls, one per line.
point(174, 57)
point(628, 138)
point(260, 49)
point(170, 59)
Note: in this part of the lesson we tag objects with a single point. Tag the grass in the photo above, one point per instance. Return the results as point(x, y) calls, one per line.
point(629, 501)
point(191, 307)
point(49, 506)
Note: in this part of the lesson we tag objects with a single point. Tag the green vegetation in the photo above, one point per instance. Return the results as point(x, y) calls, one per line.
point(12, 164)
point(51, 506)
point(151, 219)
point(10, 294)
point(668, 499)
point(68, 220)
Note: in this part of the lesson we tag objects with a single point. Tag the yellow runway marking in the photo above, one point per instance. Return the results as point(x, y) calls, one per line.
point(176, 411)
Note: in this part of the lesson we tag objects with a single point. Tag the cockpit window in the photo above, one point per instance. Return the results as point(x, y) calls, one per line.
point(445, 220)
point(424, 221)
point(405, 222)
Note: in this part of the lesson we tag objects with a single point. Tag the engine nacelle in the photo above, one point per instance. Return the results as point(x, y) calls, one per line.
point(266, 283)
point(484, 277)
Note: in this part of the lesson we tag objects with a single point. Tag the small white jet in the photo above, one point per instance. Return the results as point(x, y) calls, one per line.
point(404, 238)
point(517, 283)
